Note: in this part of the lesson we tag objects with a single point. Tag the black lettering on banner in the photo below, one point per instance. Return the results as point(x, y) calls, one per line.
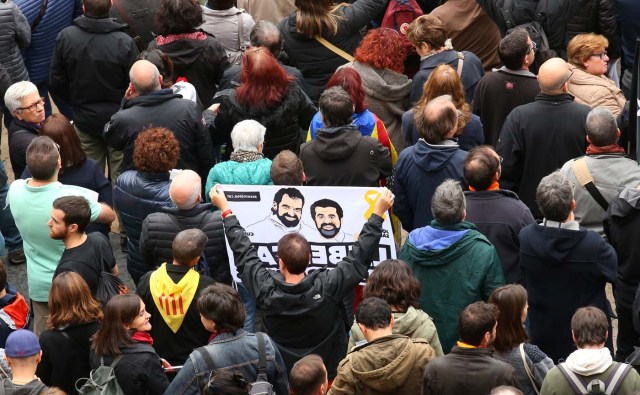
point(248, 196)
point(322, 254)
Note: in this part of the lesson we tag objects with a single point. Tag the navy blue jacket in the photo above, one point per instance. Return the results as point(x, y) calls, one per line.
point(418, 172)
point(58, 15)
point(136, 195)
point(472, 71)
point(564, 269)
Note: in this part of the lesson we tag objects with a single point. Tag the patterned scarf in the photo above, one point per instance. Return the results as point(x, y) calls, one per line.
point(245, 156)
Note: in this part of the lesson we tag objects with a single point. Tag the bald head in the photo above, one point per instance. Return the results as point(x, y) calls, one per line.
point(553, 76)
point(145, 77)
point(185, 190)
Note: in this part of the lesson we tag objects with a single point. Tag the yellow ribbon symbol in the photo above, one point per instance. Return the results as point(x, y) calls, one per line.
point(371, 197)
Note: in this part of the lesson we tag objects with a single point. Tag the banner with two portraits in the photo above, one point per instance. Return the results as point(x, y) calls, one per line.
point(330, 218)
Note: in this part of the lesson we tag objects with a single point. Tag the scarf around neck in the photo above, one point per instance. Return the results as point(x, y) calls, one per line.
point(173, 300)
point(607, 149)
point(143, 337)
point(245, 156)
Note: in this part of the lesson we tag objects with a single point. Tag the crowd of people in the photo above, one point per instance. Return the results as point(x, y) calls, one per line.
point(496, 136)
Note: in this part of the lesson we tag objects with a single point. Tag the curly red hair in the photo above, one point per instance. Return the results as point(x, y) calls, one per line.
point(156, 150)
point(382, 49)
point(349, 79)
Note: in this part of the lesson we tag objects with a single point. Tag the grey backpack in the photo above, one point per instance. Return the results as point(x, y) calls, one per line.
point(583, 386)
point(101, 381)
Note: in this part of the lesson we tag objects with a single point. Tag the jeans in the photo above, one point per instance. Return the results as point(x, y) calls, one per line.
point(12, 238)
point(249, 305)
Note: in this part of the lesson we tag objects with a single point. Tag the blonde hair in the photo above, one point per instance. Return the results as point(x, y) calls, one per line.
point(583, 46)
point(318, 17)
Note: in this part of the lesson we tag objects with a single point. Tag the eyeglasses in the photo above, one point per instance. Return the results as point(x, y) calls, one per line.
point(57, 147)
point(533, 47)
point(500, 158)
point(459, 113)
point(34, 107)
point(601, 55)
point(566, 80)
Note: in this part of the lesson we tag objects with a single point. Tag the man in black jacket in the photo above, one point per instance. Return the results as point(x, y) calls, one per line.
point(303, 313)
point(89, 70)
point(497, 213)
point(539, 137)
point(170, 294)
point(147, 103)
point(159, 229)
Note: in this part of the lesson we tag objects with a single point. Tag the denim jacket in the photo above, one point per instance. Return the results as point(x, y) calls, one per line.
point(234, 352)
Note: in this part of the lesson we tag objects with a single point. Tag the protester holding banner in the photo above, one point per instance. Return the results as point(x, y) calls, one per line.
point(313, 322)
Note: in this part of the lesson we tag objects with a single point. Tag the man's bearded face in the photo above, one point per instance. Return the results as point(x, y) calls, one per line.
point(289, 211)
point(327, 221)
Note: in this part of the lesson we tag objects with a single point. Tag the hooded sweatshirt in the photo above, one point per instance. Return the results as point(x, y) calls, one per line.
point(387, 365)
point(562, 262)
point(33, 387)
point(386, 95)
point(622, 227)
point(341, 156)
point(415, 323)
point(456, 266)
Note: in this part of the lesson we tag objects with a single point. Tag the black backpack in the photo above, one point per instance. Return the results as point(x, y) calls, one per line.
point(535, 30)
point(261, 386)
point(583, 386)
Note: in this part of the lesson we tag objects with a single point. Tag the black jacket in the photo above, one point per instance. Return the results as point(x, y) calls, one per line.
point(342, 156)
point(175, 347)
point(20, 135)
point(537, 139)
point(159, 230)
point(467, 371)
point(564, 269)
point(164, 109)
point(308, 317)
point(597, 16)
point(283, 122)
point(500, 215)
point(201, 62)
point(317, 62)
point(558, 13)
point(65, 360)
point(90, 70)
point(622, 227)
point(139, 371)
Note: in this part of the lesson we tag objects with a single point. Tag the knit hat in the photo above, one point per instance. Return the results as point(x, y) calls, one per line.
point(22, 343)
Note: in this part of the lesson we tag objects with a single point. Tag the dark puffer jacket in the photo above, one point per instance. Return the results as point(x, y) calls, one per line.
point(90, 70)
point(597, 16)
point(162, 109)
point(283, 122)
point(317, 62)
point(15, 33)
point(57, 16)
point(159, 230)
point(136, 195)
point(201, 62)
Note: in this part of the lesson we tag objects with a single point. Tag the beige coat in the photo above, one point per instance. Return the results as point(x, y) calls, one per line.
point(388, 365)
point(596, 91)
point(271, 10)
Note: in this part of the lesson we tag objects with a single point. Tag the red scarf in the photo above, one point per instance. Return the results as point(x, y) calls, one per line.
point(163, 40)
point(143, 337)
point(607, 149)
point(216, 334)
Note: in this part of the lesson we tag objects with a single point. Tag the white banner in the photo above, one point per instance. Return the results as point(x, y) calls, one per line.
point(330, 218)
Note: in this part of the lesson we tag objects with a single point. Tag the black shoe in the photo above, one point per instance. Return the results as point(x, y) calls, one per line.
point(17, 257)
point(123, 244)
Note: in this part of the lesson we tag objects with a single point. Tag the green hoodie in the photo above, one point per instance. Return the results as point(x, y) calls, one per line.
point(466, 271)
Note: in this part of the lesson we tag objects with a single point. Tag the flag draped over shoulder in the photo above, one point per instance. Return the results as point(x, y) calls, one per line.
point(171, 299)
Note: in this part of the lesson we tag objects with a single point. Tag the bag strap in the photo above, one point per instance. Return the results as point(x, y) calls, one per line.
point(526, 368)
point(616, 378)
point(334, 49)
point(240, 47)
point(262, 354)
point(115, 361)
point(585, 179)
point(208, 361)
point(507, 14)
point(460, 63)
point(573, 380)
point(125, 17)
point(43, 8)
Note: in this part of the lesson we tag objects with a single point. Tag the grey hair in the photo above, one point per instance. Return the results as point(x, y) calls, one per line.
point(448, 204)
point(602, 128)
point(16, 92)
point(266, 34)
point(506, 390)
point(247, 135)
point(147, 84)
point(554, 196)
